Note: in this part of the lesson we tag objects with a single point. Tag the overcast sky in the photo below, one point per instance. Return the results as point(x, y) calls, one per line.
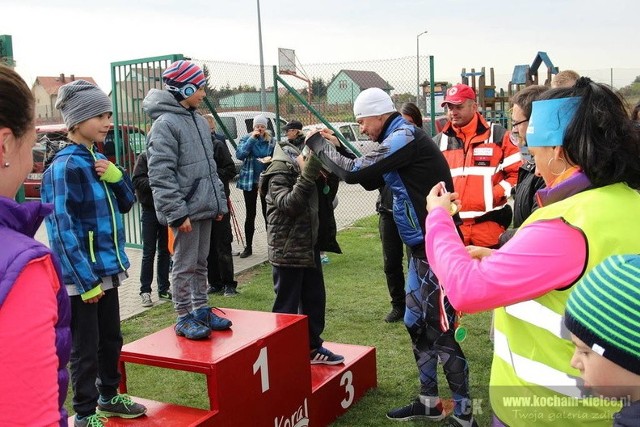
point(77, 37)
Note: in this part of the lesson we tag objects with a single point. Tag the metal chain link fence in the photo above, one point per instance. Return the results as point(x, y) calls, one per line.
point(321, 94)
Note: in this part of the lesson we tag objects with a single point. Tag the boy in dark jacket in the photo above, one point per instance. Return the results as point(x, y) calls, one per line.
point(292, 234)
point(220, 260)
point(154, 235)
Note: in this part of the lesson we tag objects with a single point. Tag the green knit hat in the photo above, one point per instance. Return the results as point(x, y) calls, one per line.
point(604, 310)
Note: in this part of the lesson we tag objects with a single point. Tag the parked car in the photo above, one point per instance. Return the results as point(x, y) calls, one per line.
point(440, 122)
point(49, 142)
point(240, 123)
point(351, 132)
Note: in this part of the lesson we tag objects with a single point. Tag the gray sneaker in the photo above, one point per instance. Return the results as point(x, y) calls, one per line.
point(121, 406)
point(90, 421)
point(146, 299)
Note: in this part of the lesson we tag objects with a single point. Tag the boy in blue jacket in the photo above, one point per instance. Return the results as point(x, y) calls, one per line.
point(89, 194)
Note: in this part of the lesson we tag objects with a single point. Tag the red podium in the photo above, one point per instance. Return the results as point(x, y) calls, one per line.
point(257, 373)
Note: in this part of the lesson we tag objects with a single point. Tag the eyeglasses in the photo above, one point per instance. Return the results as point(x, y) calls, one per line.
point(519, 123)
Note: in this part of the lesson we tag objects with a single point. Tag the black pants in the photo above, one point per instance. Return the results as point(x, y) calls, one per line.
point(220, 261)
point(95, 351)
point(154, 234)
point(301, 291)
point(392, 253)
point(250, 202)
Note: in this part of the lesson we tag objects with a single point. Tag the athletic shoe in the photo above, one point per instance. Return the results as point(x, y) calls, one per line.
point(215, 289)
point(191, 328)
point(205, 316)
point(324, 259)
point(121, 406)
point(247, 252)
point(89, 421)
point(146, 299)
point(460, 421)
point(165, 295)
point(322, 356)
point(230, 291)
point(416, 410)
point(395, 315)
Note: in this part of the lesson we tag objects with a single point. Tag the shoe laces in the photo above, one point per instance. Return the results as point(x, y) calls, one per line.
point(96, 420)
point(125, 399)
point(219, 309)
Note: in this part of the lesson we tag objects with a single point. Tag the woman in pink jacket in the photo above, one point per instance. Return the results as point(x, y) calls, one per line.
point(587, 150)
point(35, 340)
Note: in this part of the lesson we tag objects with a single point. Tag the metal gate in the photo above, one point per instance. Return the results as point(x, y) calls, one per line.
point(130, 83)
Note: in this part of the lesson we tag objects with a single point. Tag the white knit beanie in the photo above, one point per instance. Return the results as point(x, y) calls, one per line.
point(80, 100)
point(260, 120)
point(372, 102)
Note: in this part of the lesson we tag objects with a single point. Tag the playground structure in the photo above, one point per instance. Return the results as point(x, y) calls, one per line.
point(493, 103)
point(527, 75)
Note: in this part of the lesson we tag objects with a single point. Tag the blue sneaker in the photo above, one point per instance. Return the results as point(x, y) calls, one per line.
point(206, 316)
point(189, 327)
point(323, 356)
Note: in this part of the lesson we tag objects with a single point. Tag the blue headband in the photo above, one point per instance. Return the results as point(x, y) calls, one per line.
point(549, 121)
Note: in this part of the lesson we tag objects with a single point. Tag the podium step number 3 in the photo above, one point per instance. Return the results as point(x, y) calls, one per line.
point(258, 373)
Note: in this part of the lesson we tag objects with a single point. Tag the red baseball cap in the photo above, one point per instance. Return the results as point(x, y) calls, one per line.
point(457, 94)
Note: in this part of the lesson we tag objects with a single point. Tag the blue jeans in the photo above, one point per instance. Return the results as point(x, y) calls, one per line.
point(154, 235)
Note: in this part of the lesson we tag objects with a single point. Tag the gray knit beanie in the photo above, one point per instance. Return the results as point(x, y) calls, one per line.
point(80, 100)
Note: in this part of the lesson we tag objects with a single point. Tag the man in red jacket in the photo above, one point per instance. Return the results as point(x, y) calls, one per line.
point(484, 165)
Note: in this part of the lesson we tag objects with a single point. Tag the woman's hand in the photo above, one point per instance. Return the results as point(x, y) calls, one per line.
point(478, 252)
point(438, 196)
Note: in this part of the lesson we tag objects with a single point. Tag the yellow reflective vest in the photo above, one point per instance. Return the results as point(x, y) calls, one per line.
point(532, 381)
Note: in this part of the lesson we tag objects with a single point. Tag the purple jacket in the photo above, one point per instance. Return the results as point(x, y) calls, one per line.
point(18, 225)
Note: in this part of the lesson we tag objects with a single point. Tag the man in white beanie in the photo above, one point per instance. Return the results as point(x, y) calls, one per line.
point(409, 163)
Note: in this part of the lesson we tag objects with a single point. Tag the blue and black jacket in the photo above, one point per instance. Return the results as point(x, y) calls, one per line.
point(407, 161)
point(86, 229)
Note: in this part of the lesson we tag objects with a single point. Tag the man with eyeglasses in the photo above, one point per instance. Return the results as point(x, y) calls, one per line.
point(484, 164)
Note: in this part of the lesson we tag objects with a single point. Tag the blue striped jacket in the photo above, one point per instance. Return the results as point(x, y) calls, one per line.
point(86, 229)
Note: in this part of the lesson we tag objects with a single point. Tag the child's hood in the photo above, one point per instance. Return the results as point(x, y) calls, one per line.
point(158, 102)
point(74, 150)
point(283, 160)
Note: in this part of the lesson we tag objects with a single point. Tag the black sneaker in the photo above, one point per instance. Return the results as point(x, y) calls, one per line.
point(230, 291)
point(416, 410)
point(215, 289)
point(395, 315)
point(121, 406)
point(460, 421)
point(165, 295)
point(322, 356)
point(247, 252)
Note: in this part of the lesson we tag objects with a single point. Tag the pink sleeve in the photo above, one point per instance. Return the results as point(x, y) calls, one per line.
point(531, 264)
point(28, 360)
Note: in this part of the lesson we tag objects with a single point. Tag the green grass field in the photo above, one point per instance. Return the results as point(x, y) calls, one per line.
point(357, 302)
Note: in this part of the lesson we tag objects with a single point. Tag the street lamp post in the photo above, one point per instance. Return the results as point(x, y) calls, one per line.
point(263, 95)
point(418, 67)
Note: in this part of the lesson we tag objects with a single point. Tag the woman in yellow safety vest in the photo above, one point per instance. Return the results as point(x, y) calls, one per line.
point(587, 150)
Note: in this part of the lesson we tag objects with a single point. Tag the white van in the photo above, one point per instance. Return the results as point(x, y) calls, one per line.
point(240, 123)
